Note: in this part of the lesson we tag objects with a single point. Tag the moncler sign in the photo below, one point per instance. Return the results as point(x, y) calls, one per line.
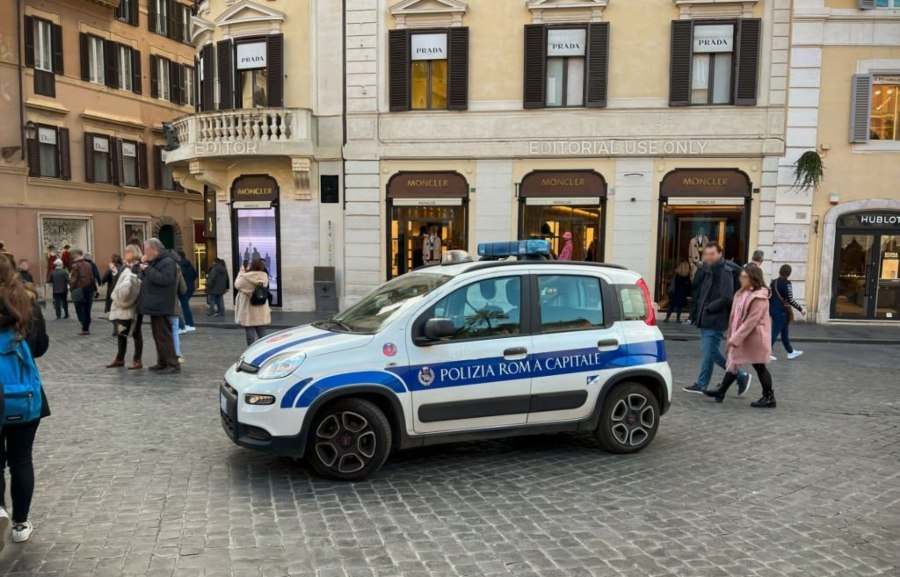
point(250, 56)
point(428, 46)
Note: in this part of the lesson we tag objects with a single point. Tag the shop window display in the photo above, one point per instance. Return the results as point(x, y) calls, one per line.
point(257, 239)
point(421, 235)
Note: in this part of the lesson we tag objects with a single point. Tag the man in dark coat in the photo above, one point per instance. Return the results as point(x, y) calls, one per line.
point(157, 300)
point(711, 315)
point(190, 280)
point(83, 287)
point(216, 286)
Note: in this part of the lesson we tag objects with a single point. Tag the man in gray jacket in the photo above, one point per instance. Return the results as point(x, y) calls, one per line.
point(157, 300)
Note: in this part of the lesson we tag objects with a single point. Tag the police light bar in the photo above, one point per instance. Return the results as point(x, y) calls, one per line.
point(532, 247)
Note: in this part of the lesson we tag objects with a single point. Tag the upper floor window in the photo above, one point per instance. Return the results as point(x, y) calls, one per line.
point(184, 23)
point(98, 159)
point(48, 152)
point(170, 18)
point(159, 20)
point(429, 70)
point(875, 109)
point(566, 66)
point(43, 53)
point(43, 45)
point(161, 80)
point(96, 59)
point(124, 62)
point(250, 72)
point(887, 3)
point(714, 62)
point(187, 85)
point(163, 179)
point(128, 11)
point(111, 160)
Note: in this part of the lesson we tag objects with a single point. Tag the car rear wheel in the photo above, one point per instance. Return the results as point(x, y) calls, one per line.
point(350, 440)
point(629, 419)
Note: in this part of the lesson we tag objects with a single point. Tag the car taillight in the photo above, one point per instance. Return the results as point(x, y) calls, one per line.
point(650, 319)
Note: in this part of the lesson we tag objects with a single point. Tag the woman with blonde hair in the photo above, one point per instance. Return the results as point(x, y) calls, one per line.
point(679, 289)
point(123, 311)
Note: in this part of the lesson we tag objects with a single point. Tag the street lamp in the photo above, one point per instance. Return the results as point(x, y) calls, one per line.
point(30, 130)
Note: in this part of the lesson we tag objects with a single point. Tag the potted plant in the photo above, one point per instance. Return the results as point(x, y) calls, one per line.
point(808, 171)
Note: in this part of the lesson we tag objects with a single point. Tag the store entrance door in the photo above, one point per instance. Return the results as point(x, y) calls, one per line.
point(551, 221)
point(256, 230)
point(420, 235)
point(866, 277)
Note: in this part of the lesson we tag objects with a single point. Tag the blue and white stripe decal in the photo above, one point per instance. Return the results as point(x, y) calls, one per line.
point(312, 392)
point(275, 350)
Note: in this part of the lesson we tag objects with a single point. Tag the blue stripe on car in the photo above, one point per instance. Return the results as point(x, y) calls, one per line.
point(287, 401)
point(275, 350)
point(382, 378)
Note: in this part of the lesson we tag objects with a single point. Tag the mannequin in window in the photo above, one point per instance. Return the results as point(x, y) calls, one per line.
point(695, 249)
point(431, 247)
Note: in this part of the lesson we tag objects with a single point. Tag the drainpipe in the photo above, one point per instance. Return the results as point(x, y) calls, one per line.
point(21, 53)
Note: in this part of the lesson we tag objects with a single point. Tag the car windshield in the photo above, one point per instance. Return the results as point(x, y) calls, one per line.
point(379, 308)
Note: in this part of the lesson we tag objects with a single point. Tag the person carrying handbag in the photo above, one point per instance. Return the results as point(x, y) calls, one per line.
point(251, 306)
point(781, 309)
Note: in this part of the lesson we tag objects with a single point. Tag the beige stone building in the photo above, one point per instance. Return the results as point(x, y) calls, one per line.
point(86, 87)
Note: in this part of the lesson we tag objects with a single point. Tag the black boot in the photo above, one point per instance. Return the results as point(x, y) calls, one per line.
point(718, 394)
point(767, 401)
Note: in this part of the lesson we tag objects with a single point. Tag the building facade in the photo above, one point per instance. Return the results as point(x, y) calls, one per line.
point(87, 87)
point(843, 239)
point(265, 141)
point(643, 129)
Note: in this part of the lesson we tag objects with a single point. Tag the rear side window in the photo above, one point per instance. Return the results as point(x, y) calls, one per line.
point(632, 303)
point(570, 302)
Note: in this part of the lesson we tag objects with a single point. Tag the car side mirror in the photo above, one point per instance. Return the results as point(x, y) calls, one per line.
point(439, 328)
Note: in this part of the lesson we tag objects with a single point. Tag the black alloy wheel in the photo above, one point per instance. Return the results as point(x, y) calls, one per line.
point(350, 440)
point(629, 419)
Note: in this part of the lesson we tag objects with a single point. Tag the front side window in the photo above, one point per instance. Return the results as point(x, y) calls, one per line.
point(129, 163)
point(565, 66)
point(124, 57)
point(885, 116)
point(96, 60)
point(712, 64)
point(48, 151)
point(570, 302)
point(43, 45)
point(379, 308)
point(101, 160)
point(164, 80)
point(488, 308)
point(428, 84)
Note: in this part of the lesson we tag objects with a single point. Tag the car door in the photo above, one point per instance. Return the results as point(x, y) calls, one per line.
point(478, 378)
point(575, 344)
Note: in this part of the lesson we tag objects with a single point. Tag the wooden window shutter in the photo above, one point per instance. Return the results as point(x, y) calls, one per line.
point(154, 76)
point(65, 155)
point(29, 42)
point(866, 4)
point(458, 68)
point(398, 70)
point(142, 165)
point(85, 42)
point(115, 161)
point(157, 167)
point(861, 108)
point(151, 16)
point(535, 63)
point(135, 12)
point(34, 157)
point(207, 86)
point(175, 82)
point(680, 62)
point(111, 63)
point(172, 18)
point(275, 72)
point(136, 71)
point(225, 60)
point(597, 65)
point(44, 83)
point(176, 31)
point(747, 58)
point(88, 157)
point(57, 45)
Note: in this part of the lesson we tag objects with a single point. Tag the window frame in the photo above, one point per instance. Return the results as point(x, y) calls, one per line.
point(160, 170)
point(188, 90)
point(537, 314)
point(110, 170)
point(121, 142)
point(39, 47)
point(429, 73)
point(711, 77)
point(37, 141)
point(164, 83)
point(96, 74)
point(896, 111)
point(124, 59)
point(131, 17)
point(565, 61)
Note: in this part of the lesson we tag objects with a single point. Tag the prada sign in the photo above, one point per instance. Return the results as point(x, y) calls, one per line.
point(254, 188)
point(427, 185)
point(714, 38)
point(250, 56)
point(566, 42)
point(428, 46)
point(563, 184)
point(705, 182)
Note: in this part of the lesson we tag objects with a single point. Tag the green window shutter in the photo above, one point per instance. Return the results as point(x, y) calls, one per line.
point(860, 108)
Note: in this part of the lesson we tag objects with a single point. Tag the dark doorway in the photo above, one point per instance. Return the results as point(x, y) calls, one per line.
point(167, 236)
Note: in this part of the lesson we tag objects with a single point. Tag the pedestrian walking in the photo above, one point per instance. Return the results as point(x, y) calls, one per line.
point(781, 308)
point(251, 306)
point(123, 310)
point(757, 259)
point(715, 294)
point(23, 338)
point(95, 272)
point(217, 284)
point(568, 247)
point(109, 278)
point(24, 271)
point(59, 283)
point(749, 329)
point(176, 321)
point(83, 285)
point(679, 289)
point(157, 300)
point(190, 280)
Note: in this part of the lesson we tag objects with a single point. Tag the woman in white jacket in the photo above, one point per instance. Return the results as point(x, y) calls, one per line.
point(253, 317)
point(123, 309)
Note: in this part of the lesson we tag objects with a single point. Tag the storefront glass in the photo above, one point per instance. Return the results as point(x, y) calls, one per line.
point(422, 234)
point(551, 222)
point(256, 237)
point(867, 260)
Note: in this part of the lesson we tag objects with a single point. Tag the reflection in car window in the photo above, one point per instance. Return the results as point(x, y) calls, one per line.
point(632, 302)
point(486, 308)
point(570, 302)
point(381, 306)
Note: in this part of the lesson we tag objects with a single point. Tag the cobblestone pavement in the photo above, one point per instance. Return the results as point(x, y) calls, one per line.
point(135, 477)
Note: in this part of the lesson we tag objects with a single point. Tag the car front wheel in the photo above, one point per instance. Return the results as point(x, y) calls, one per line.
point(629, 419)
point(350, 440)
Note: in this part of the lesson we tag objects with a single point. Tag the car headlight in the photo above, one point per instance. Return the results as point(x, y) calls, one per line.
point(252, 399)
point(281, 365)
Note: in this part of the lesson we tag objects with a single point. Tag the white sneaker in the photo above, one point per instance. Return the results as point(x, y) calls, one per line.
point(794, 355)
point(22, 531)
point(182, 331)
point(180, 360)
point(773, 358)
point(4, 526)
point(190, 329)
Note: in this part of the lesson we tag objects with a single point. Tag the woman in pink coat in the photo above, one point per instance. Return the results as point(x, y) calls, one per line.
point(749, 337)
point(568, 248)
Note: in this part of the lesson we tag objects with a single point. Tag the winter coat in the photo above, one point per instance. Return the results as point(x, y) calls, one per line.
point(782, 297)
point(157, 296)
point(716, 293)
point(566, 252)
point(681, 286)
point(59, 278)
point(125, 296)
point(217, 280)
point(110, 280)
point(82, 277)
point(180, 288)
point(189, 273)
point(248, 315)
point(750, 329)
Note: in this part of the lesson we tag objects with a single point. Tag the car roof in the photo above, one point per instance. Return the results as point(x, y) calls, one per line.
point(615, 271)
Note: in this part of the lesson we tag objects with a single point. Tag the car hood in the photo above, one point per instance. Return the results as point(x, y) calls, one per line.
point(308, 339)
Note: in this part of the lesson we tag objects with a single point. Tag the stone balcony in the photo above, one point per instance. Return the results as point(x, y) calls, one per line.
point(250, 132)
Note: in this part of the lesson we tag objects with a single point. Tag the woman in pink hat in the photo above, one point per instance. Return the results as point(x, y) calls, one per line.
point(566, 252)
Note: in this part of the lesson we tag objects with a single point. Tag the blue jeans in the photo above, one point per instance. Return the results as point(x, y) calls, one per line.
point(217, 304)
point(83, 310)
point(175, 336)
point(186, 309)
point(710, 345)
point(781, 327)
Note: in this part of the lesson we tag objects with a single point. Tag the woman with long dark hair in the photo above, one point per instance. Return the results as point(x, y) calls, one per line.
point(749, 343)
point(20, 320)
point(781, 308)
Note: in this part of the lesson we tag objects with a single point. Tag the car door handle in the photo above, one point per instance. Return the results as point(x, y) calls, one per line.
point(607, 343)
point(515, 352)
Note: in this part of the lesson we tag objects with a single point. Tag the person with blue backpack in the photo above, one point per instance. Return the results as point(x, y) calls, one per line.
point(23, 337)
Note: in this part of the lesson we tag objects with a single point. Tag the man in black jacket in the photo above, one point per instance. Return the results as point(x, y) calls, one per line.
point(711, 315)
point(157, 300)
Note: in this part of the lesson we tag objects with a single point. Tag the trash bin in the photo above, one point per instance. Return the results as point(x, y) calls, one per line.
point(325, 288)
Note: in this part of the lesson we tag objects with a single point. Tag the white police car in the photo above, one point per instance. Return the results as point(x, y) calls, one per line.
point(464, 350)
